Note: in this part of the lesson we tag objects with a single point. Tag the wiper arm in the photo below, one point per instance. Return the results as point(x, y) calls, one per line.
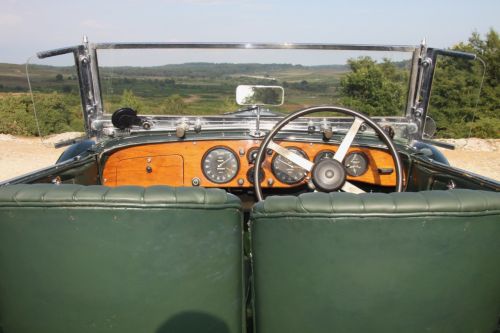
point(252, 108)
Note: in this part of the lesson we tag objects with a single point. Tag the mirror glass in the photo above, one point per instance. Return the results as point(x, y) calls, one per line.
point(259, 95)
point(429, 128)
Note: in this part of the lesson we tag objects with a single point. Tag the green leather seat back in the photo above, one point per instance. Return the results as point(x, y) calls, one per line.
point(130, 259)
point(401, 262)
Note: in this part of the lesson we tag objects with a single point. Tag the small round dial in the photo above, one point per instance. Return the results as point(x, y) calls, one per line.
point(251, 174)
point(323, 155)
point(252, 155)
point(285, 170)
point(220, 165)
point(356, 164)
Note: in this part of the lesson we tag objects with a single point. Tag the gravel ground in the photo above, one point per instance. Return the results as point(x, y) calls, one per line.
point(21, 155)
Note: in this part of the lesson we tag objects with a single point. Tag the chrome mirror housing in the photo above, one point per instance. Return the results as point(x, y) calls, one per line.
point(260, 95)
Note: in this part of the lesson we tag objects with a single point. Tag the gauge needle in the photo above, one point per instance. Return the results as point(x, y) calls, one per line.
point(220, 165)
point(289, 165)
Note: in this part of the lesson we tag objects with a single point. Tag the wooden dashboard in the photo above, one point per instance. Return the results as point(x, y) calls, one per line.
point(181, 164)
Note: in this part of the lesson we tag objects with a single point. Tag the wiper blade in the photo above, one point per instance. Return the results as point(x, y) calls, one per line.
point(251, 111)
point(252, 108)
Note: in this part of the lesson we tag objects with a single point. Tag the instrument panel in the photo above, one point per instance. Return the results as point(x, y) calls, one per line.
point(230, 164)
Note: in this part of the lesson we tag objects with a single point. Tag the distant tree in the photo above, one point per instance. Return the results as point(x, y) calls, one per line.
point(59, 77)
point(15, 115)
point(456, 88)
point(129, 100)
point(374, 88)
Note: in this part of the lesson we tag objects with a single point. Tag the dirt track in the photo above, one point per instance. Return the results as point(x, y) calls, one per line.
point(21, 155)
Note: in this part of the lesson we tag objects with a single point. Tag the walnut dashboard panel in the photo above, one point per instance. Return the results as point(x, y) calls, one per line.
point(180, 164)
point(151, 170)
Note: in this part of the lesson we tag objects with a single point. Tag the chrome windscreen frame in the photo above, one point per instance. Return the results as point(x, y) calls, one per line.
point(98, 125)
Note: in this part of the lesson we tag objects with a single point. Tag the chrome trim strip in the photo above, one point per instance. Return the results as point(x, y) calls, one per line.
point(248, 45)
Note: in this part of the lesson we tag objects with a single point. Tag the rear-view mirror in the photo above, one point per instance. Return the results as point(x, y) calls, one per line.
point(259, 95)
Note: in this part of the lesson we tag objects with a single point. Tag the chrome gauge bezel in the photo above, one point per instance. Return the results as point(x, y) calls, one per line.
point(234, 171)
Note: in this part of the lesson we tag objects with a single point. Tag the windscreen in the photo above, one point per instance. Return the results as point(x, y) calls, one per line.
point(204, 81)
point(42, 98)
point(456, 105)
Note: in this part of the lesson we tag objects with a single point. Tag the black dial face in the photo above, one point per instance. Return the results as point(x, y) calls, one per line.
point(323, 155)
point(250, 175)
point(220, 165)
point(286, 171)
point(356, 164)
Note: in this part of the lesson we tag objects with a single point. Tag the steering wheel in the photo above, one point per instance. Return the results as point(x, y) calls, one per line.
point(328, 174)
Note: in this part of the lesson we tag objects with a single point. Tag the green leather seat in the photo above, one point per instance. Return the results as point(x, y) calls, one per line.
point(95, 259)
point(401, 262)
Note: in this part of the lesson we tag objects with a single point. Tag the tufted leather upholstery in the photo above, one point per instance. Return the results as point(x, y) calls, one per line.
point(401, 262)
point(128, 259)
point(102, 196)
point(414, 203)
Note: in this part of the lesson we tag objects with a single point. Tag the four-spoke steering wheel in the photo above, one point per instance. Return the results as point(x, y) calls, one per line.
point(328, 174)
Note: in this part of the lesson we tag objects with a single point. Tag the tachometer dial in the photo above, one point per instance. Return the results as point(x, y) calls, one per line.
point(220, 165)
point(286, 171)
point(356, 164)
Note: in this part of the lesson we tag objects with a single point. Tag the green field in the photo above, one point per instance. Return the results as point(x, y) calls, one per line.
point(203, 88)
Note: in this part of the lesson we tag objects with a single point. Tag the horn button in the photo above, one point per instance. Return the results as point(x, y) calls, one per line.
point(328, 175)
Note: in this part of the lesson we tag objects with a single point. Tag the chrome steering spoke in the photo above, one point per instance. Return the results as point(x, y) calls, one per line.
point(291, 156)
point(348, 139)
point(349, 187)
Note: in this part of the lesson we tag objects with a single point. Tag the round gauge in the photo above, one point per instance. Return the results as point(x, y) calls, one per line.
point(250, 175)
point(323, 155)
point(356, 164)
point(220, 165)
point(285, 170)
point(252, 155)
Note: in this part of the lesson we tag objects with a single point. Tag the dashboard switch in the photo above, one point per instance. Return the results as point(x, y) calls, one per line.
point(385, 171)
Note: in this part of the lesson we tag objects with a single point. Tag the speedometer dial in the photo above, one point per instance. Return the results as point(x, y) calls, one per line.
point(286, 171)
point(220, 165)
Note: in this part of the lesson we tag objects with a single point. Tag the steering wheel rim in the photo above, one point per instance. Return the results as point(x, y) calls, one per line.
point(357, 115)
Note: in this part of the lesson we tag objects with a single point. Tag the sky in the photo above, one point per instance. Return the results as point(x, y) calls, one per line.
point(28, 26)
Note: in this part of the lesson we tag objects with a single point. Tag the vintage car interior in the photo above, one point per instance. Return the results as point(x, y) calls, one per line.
point(319, 219)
